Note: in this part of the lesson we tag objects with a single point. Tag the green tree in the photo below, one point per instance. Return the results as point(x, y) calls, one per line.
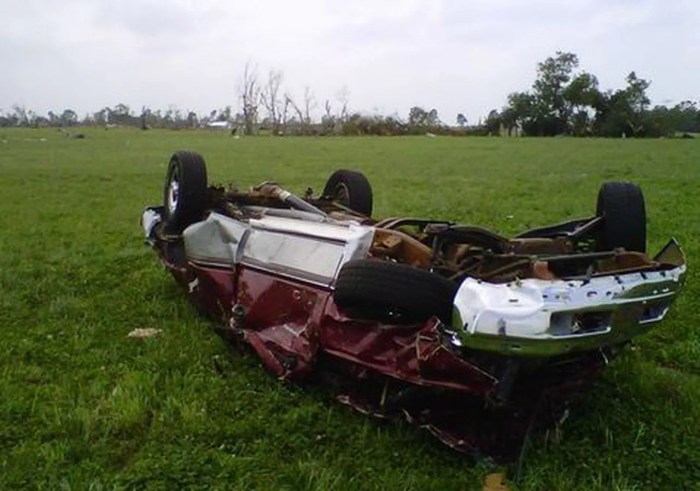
point(120, 114)
point(551, 108)
point(624, 112)
point(420, 120)
point(521, 113)
point(461, 120)
point(556, 96)
point(54, 119)
point(493, 122)
point(69, 118)
point(581, 96)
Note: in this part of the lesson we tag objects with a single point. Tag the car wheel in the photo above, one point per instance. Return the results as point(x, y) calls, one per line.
point(351, 189)
point(184, 193)
point(390, 291)
point(621, 204)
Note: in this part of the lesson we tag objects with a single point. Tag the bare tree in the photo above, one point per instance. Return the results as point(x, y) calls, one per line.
point(328, 120)
point(285, 113)
point(289, 101)
point(309, 105)
point(21, 115)
point(303, 112)
point(270, 99)
point(333, 122)
point(250, 98)
point(343, 97)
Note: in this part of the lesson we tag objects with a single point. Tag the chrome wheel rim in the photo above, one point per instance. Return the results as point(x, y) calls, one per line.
point(342, 194)
point(173, 194)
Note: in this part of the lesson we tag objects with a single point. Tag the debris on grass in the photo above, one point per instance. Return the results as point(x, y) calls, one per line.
point(141, 333)
point(495, 482)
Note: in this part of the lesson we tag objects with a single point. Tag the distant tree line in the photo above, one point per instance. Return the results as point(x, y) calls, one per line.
point(119, 115)
point(562, 101)
point(293, 120)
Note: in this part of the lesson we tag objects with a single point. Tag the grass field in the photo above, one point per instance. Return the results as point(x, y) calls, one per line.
point(84, 407)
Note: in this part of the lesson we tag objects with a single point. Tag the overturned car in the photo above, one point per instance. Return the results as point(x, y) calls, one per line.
point(475, 336)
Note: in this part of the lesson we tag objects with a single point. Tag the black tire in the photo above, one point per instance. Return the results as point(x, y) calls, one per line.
point(185, 190)
point(350, 188)
point(621, 204)
point(385, 291)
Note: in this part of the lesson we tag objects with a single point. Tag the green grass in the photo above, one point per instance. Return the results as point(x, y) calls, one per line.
point(84, 407)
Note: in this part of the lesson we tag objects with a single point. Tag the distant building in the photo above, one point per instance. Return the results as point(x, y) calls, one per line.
point(220, 125)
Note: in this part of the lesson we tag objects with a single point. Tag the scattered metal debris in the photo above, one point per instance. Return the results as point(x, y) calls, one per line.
point(142, 333)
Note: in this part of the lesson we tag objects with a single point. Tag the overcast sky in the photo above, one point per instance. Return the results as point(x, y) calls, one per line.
point(453, 55)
